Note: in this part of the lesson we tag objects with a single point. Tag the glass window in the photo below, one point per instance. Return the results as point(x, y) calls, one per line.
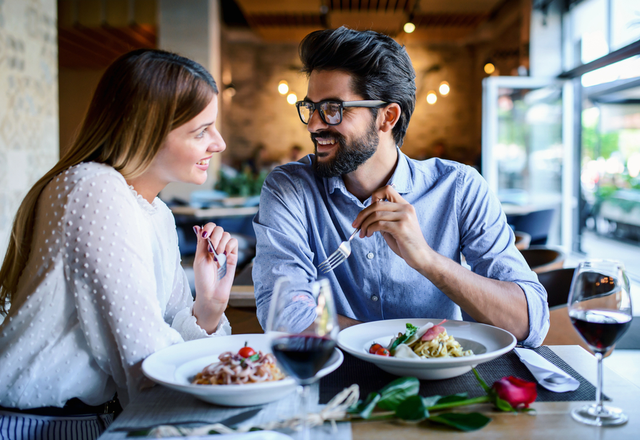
point(625, 22)
point(625, 69)
point(588, 31)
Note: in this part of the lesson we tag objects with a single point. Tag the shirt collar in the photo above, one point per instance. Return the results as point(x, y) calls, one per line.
point(402, 176)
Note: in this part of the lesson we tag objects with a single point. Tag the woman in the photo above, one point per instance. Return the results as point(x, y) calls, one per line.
point(92, 280)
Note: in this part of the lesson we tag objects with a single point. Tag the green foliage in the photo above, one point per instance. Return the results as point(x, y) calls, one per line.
point(397, 391)
point(412, 409)
point(462, 421)
point(401, 400)
point(243, 184)
point(596, 144)
point(411, 330)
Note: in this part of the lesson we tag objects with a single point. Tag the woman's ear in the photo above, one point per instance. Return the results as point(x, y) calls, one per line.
point(390, 117)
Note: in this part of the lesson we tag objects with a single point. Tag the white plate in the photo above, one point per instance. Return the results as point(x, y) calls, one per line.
point(174, 367)
point(486, 341)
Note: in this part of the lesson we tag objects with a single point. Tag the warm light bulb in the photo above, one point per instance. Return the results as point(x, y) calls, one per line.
point(292, 98)
point(283, 87)
point(432, 97)
point(409, 27)
point(444, 88)
point(489, 68)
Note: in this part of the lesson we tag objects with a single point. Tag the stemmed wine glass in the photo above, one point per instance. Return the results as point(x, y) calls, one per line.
point(302, 326)
point(600, 310)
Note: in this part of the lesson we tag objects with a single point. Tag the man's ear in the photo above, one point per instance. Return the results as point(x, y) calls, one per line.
point(390, 116)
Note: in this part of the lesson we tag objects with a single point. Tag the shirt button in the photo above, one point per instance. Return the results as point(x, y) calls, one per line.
point(370, 255)
point(374, 298)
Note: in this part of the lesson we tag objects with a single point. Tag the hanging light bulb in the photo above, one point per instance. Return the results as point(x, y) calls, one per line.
point(432, 97)
point(409, 27)
point(292, 98)
point(444, 88)
point(489, 68)
point(283, 87)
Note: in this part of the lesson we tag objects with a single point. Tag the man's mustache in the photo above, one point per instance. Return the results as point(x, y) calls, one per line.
point(325, 134)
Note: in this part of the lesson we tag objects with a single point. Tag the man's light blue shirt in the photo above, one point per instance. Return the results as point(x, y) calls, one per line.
point(304, 218)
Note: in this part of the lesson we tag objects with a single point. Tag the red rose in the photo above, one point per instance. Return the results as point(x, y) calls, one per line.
point(516, 391)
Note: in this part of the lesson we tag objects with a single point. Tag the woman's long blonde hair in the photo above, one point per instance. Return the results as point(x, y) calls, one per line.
point(140, 98)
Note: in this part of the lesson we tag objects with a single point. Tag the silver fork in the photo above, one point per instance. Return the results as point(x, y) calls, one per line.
point(338, 256)
point(222, 260)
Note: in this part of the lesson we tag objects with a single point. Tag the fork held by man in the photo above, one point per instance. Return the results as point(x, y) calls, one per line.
point(338, 256)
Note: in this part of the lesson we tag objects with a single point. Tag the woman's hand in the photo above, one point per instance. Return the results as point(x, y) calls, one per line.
point(212, 294)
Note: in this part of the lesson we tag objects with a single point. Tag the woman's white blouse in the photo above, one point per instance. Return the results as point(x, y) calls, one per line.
point(102, 290)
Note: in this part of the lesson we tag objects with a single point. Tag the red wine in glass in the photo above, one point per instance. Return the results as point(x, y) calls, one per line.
point(302, 348)
point(302, 356)
point(600, 328)
point(599, 307)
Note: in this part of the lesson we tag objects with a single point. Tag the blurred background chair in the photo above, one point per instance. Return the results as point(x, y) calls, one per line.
point(543, 259)
point(557, 284)
point(536, 223)
point(523, 240)
point(561, 332)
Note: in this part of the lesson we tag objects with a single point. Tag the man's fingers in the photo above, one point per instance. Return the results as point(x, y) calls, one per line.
point(378, 221)
point(387, 193)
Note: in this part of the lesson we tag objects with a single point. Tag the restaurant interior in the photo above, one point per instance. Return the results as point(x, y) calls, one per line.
point(542, 97)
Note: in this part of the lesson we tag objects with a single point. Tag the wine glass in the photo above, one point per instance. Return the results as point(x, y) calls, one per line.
point(600, 310)
point(302, 326)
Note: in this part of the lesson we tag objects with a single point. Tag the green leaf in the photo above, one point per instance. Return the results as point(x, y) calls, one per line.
point(462, 421)
point(453, 398)
point(413, 409)
point(364, 409)
point(254, 357)
point(397, 391)
point(411, 330)
point(440, 400)
point(483, 384)
point(503, 405)
point(431, 400)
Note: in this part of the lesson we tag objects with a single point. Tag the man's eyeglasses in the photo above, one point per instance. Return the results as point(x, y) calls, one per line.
point(331, 111)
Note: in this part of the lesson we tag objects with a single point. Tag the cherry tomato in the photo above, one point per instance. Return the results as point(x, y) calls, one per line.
point(246, 352)
point(374, 348)
point(382, 352)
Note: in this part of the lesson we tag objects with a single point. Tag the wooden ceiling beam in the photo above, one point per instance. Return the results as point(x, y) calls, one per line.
point(250, 7)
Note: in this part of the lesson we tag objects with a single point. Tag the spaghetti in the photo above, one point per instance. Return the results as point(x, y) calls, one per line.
point(234, 369)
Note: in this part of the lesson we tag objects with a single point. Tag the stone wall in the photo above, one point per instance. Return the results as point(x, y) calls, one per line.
point(28, 101)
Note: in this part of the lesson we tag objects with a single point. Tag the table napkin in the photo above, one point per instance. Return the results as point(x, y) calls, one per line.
point(541, 368)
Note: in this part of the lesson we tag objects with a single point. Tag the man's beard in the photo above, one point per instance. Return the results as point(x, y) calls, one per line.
point(348, 157)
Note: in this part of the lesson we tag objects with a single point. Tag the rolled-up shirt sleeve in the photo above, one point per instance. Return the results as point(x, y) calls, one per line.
point(487, 242)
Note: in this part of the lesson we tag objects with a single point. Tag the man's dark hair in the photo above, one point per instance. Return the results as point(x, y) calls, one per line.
point(380, 67)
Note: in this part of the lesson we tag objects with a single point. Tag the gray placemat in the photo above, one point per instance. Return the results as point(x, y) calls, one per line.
point(370, 378)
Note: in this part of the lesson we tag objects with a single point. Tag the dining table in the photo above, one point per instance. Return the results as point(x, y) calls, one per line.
point(550, 420)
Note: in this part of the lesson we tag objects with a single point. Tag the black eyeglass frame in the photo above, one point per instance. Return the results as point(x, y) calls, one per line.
point(367, 103)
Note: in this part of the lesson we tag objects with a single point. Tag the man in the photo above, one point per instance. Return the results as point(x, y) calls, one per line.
point(415, 217)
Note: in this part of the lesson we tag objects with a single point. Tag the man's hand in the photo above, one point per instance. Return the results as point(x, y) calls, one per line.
point(499, 303)
point(396, 220)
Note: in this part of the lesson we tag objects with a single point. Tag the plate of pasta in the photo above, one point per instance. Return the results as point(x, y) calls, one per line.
point(425, 348)
point(236, 370)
